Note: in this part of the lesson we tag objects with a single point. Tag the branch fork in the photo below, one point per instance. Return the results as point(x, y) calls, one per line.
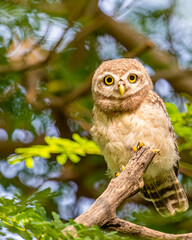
point(129, 182)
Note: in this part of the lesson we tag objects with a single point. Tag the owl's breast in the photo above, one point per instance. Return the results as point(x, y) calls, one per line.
point(115, 139)
point(117, 134)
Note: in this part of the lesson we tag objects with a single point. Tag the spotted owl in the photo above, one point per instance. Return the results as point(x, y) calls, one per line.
point(127, 111)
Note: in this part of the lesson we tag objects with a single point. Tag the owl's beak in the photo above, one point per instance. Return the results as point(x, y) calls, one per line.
point(121, 89)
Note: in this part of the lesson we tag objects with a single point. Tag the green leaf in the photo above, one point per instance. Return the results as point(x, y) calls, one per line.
point(61, 159)
point(29, 162)
point(74, 158)
point(13, 159)
point(66, 148)
point(171, 108)
point(57, 221)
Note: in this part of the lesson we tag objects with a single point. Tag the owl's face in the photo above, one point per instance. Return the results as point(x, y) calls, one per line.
point(118, 82)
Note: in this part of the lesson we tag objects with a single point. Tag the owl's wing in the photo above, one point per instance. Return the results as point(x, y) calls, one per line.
point(166, 193)
point(156, 100)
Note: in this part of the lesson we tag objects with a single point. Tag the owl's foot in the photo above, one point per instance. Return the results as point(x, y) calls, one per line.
point(121, 170)
point(157, 151)
point(139, 145)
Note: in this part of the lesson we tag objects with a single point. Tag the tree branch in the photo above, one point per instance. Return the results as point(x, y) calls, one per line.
point(38, 43)
point(139, 50)
point(73, 95)
point(129, 182)
point(38, 64)
point(143, 232)
point(178, 78)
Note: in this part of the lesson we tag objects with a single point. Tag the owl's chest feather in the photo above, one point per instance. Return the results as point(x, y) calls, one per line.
point(125, 128)
point(117, 134)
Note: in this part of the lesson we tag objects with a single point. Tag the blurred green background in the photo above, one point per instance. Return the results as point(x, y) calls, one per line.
point(49, 50)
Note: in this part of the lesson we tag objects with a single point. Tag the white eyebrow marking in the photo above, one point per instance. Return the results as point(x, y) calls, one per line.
point(107, 73)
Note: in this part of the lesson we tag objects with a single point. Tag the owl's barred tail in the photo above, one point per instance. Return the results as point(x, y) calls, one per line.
point(167, 195)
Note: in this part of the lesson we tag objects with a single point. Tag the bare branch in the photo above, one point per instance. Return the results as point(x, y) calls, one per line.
point(144, 232)
point(129, 182)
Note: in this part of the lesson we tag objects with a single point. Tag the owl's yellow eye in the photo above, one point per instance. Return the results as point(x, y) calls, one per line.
point(108, 80)
point(132, 78)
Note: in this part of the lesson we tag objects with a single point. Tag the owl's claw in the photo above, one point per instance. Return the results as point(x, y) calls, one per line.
point(134, 149)
point(139, 145)
point(157, 151)
point(122, 168)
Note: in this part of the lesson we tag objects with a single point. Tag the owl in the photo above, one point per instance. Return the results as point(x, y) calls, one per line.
point(127, 111)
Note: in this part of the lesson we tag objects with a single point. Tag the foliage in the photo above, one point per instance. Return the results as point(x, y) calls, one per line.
point(28, 218)
point(182, 123)
point(65, 148)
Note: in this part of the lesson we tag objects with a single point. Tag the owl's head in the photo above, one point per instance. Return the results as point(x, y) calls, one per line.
point(120, 85)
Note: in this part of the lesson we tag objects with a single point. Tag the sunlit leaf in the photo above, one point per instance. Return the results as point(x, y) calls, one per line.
point(65, 148)
point(61, 159)
point(29, 162)
point(15, 159)
point(74, 158)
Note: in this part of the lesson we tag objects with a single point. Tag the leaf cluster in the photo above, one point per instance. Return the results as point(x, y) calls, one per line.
point(182, 124)
point(28, 219)
point(64, 148)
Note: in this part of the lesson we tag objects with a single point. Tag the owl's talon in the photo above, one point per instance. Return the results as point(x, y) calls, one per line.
point(134, 149)
point(157, 151)
point(140, 144)
point(122, 168)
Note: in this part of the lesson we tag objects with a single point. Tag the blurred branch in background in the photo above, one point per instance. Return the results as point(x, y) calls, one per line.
point(46, 59)
point(140, 49)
